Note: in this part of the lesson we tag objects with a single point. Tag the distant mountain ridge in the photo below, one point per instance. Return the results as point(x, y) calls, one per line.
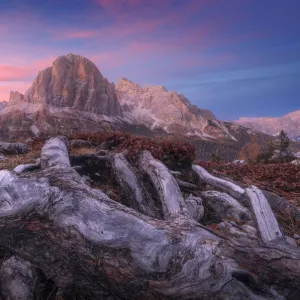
point(156, 107)
point(73, 86)
point(290, 123)
point(3, 104)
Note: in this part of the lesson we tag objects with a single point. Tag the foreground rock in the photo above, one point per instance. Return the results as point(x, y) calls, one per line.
point(13, 148)
point(80, 238)
point(18, 279)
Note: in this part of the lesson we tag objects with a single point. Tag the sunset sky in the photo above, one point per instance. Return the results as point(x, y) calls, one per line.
point(234, 57)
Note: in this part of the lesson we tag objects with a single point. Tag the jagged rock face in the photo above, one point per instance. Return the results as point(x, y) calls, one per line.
point(72, 95)
point(290, 123)
point(27, 120)
point(159, 108)
point(73, 81)
point(15, 97)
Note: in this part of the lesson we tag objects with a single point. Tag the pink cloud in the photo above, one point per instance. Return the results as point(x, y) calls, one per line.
point(10, 73)
point(23, 71)
point(135, 27)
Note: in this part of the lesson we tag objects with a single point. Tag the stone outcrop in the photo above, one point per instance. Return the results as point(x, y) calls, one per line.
point(72, 81)
point(13, 148)
point(157, 107)
point(290, 123)
point(15, 97)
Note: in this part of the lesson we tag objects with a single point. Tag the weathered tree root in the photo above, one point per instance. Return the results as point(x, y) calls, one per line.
point(79, 237)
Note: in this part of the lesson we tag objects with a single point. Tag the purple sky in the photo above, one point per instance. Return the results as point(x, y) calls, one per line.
point(234, 57)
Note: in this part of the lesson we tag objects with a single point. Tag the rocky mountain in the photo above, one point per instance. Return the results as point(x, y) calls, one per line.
point(72, 81)
point(156, 107)
point(3, 104)
point(290, 123)
point(73, 96)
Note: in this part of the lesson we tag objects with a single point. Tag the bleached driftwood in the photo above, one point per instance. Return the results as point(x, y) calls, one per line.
point(26, 168)
point(137, 196)
point(79, 237)
point(226, 206)
point(175, 173)
point(225, 186)
point(18, 279)
point(195, 207)
point(266, 221)
point(55, 153)
point(166, 186)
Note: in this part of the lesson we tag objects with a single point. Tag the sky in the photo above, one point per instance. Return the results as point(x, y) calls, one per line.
point(234, 57)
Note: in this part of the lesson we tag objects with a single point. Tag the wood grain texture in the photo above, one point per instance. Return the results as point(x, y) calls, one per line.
point(223, 185)
point(265, 218)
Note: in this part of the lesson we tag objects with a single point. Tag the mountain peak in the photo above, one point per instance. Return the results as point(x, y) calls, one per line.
point(73, 81)
point(290, 123)
point(126, 85)
point(74, 84)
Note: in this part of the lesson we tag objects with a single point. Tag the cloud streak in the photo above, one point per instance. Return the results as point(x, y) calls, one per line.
point(170, 42)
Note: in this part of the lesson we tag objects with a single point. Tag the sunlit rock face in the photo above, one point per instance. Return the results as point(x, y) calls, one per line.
point(73, 96)
point(72, 81)
point(159, 108)
point(290, 123)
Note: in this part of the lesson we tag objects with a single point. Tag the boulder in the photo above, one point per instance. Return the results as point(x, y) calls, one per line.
point(13, 148)
point(80, 144)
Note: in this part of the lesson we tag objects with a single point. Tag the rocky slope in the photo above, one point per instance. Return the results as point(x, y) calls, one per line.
point(72, 95)
point(157, 107)
point(72, 81)
point(290, 123)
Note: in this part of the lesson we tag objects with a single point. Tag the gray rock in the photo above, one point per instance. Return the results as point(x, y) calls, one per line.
point(195, 207)
point(105, 146)
point(102, 152)
point(226, 207)
point(18, 279)
point(80, 144)
point(13, 148)
point(157, 107)
point(290, 241)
